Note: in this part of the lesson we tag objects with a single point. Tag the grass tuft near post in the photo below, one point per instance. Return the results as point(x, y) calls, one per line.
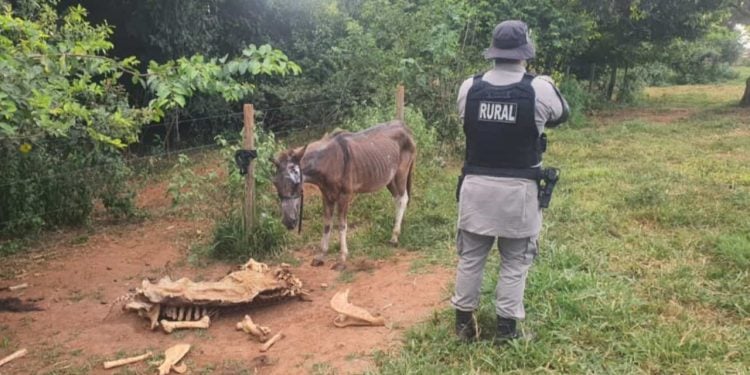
point(248, 144)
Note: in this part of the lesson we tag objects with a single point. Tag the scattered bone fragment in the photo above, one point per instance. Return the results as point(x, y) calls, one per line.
point(17, 287)
point(248, 326)
point(267, 345)
point(169, 326)
point(172, 356)
point(153, 316)
point(14, 356)
point(350, 315)
point(180, 369)
point(126, 361)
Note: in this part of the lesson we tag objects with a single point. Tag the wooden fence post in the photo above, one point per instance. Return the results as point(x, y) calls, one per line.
point(248, 143)
point(400, 102)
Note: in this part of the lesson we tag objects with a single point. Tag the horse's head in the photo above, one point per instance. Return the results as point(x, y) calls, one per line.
point(288, 183)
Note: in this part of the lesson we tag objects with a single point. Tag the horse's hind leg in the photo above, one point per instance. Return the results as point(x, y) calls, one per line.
point(397, 187)
point(343, 209)
point(327, 219)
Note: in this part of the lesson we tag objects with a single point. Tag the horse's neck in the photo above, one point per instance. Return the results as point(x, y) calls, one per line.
point(319, 159)
point(310, 172)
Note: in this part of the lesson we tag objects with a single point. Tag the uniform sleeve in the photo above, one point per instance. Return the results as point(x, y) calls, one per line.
point(462, 92)
point(551, 107)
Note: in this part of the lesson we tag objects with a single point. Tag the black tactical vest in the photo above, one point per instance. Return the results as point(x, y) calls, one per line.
point(500, 128)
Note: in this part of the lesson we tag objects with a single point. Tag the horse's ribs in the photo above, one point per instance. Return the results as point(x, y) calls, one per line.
point(183, 299)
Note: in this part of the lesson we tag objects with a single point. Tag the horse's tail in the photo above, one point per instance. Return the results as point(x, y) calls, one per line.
point(409, 177)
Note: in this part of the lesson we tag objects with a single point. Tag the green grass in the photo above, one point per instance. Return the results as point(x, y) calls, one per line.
point(644, 263)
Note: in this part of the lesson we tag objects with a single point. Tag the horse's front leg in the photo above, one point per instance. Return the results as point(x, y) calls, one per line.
point(401, 203)
point(343, 209)
point(320, 258)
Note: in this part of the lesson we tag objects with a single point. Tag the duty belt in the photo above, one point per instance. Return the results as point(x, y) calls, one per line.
point(534, 174)
point(545, 178)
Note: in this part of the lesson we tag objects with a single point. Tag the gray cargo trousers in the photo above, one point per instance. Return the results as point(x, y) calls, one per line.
point(516, 255)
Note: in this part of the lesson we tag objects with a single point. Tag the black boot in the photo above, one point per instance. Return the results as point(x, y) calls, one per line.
point(466, 326)
point(506, 330)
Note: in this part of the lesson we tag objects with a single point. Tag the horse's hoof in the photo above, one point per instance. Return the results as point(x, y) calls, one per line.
point(339, 266)
point(316, 263)
point(393, 242)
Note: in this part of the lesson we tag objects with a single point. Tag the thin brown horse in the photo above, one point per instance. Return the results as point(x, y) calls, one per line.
point(344, 164)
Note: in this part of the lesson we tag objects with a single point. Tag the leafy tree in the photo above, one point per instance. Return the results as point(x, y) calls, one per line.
point(63, 111)
point(628, 31)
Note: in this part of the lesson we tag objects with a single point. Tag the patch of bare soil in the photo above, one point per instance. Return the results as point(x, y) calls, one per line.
point(76, 277)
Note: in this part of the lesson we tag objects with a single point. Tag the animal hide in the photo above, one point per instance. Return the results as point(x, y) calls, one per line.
point(254, 283)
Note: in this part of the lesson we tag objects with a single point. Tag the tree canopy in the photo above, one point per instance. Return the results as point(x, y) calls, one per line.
point(80, 78)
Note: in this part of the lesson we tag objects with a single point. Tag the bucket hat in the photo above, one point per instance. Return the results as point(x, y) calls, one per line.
point(511, 40)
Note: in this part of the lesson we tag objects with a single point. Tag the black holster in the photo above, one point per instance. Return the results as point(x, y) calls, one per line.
point(547, 183)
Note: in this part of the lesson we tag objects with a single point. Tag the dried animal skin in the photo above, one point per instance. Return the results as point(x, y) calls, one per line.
point(253, 282)
point(185, 300)
point(350, 315)
point(255, 266)
point(146, 310)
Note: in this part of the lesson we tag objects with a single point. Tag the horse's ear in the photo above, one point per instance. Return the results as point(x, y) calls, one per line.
point(297, 155)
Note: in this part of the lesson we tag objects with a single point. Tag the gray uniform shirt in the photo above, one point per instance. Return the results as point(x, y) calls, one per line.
point(500, 206)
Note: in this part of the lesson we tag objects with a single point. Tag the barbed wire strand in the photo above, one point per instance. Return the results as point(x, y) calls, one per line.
point(110, 162)
point(191, 120)
point(210, 117)
point(265, 112)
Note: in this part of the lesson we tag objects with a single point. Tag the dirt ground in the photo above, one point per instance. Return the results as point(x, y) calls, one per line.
point(74, 277)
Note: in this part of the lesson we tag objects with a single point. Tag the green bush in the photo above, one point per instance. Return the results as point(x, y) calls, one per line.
point(425, 135)
point(706, 60)
point(579, 98)
point(65, 117)
point(51, 184)
point(656, 74)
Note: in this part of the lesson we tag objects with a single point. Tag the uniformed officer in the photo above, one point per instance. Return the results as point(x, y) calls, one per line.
point(504, 111)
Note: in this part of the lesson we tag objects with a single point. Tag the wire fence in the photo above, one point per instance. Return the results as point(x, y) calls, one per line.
point(91, 170)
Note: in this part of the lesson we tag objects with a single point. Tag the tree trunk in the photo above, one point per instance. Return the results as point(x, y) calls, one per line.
point(592, 77)
point(745, 102)
point(612, 81)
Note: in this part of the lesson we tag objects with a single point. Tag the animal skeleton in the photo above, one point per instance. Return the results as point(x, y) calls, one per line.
point(185, 300)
